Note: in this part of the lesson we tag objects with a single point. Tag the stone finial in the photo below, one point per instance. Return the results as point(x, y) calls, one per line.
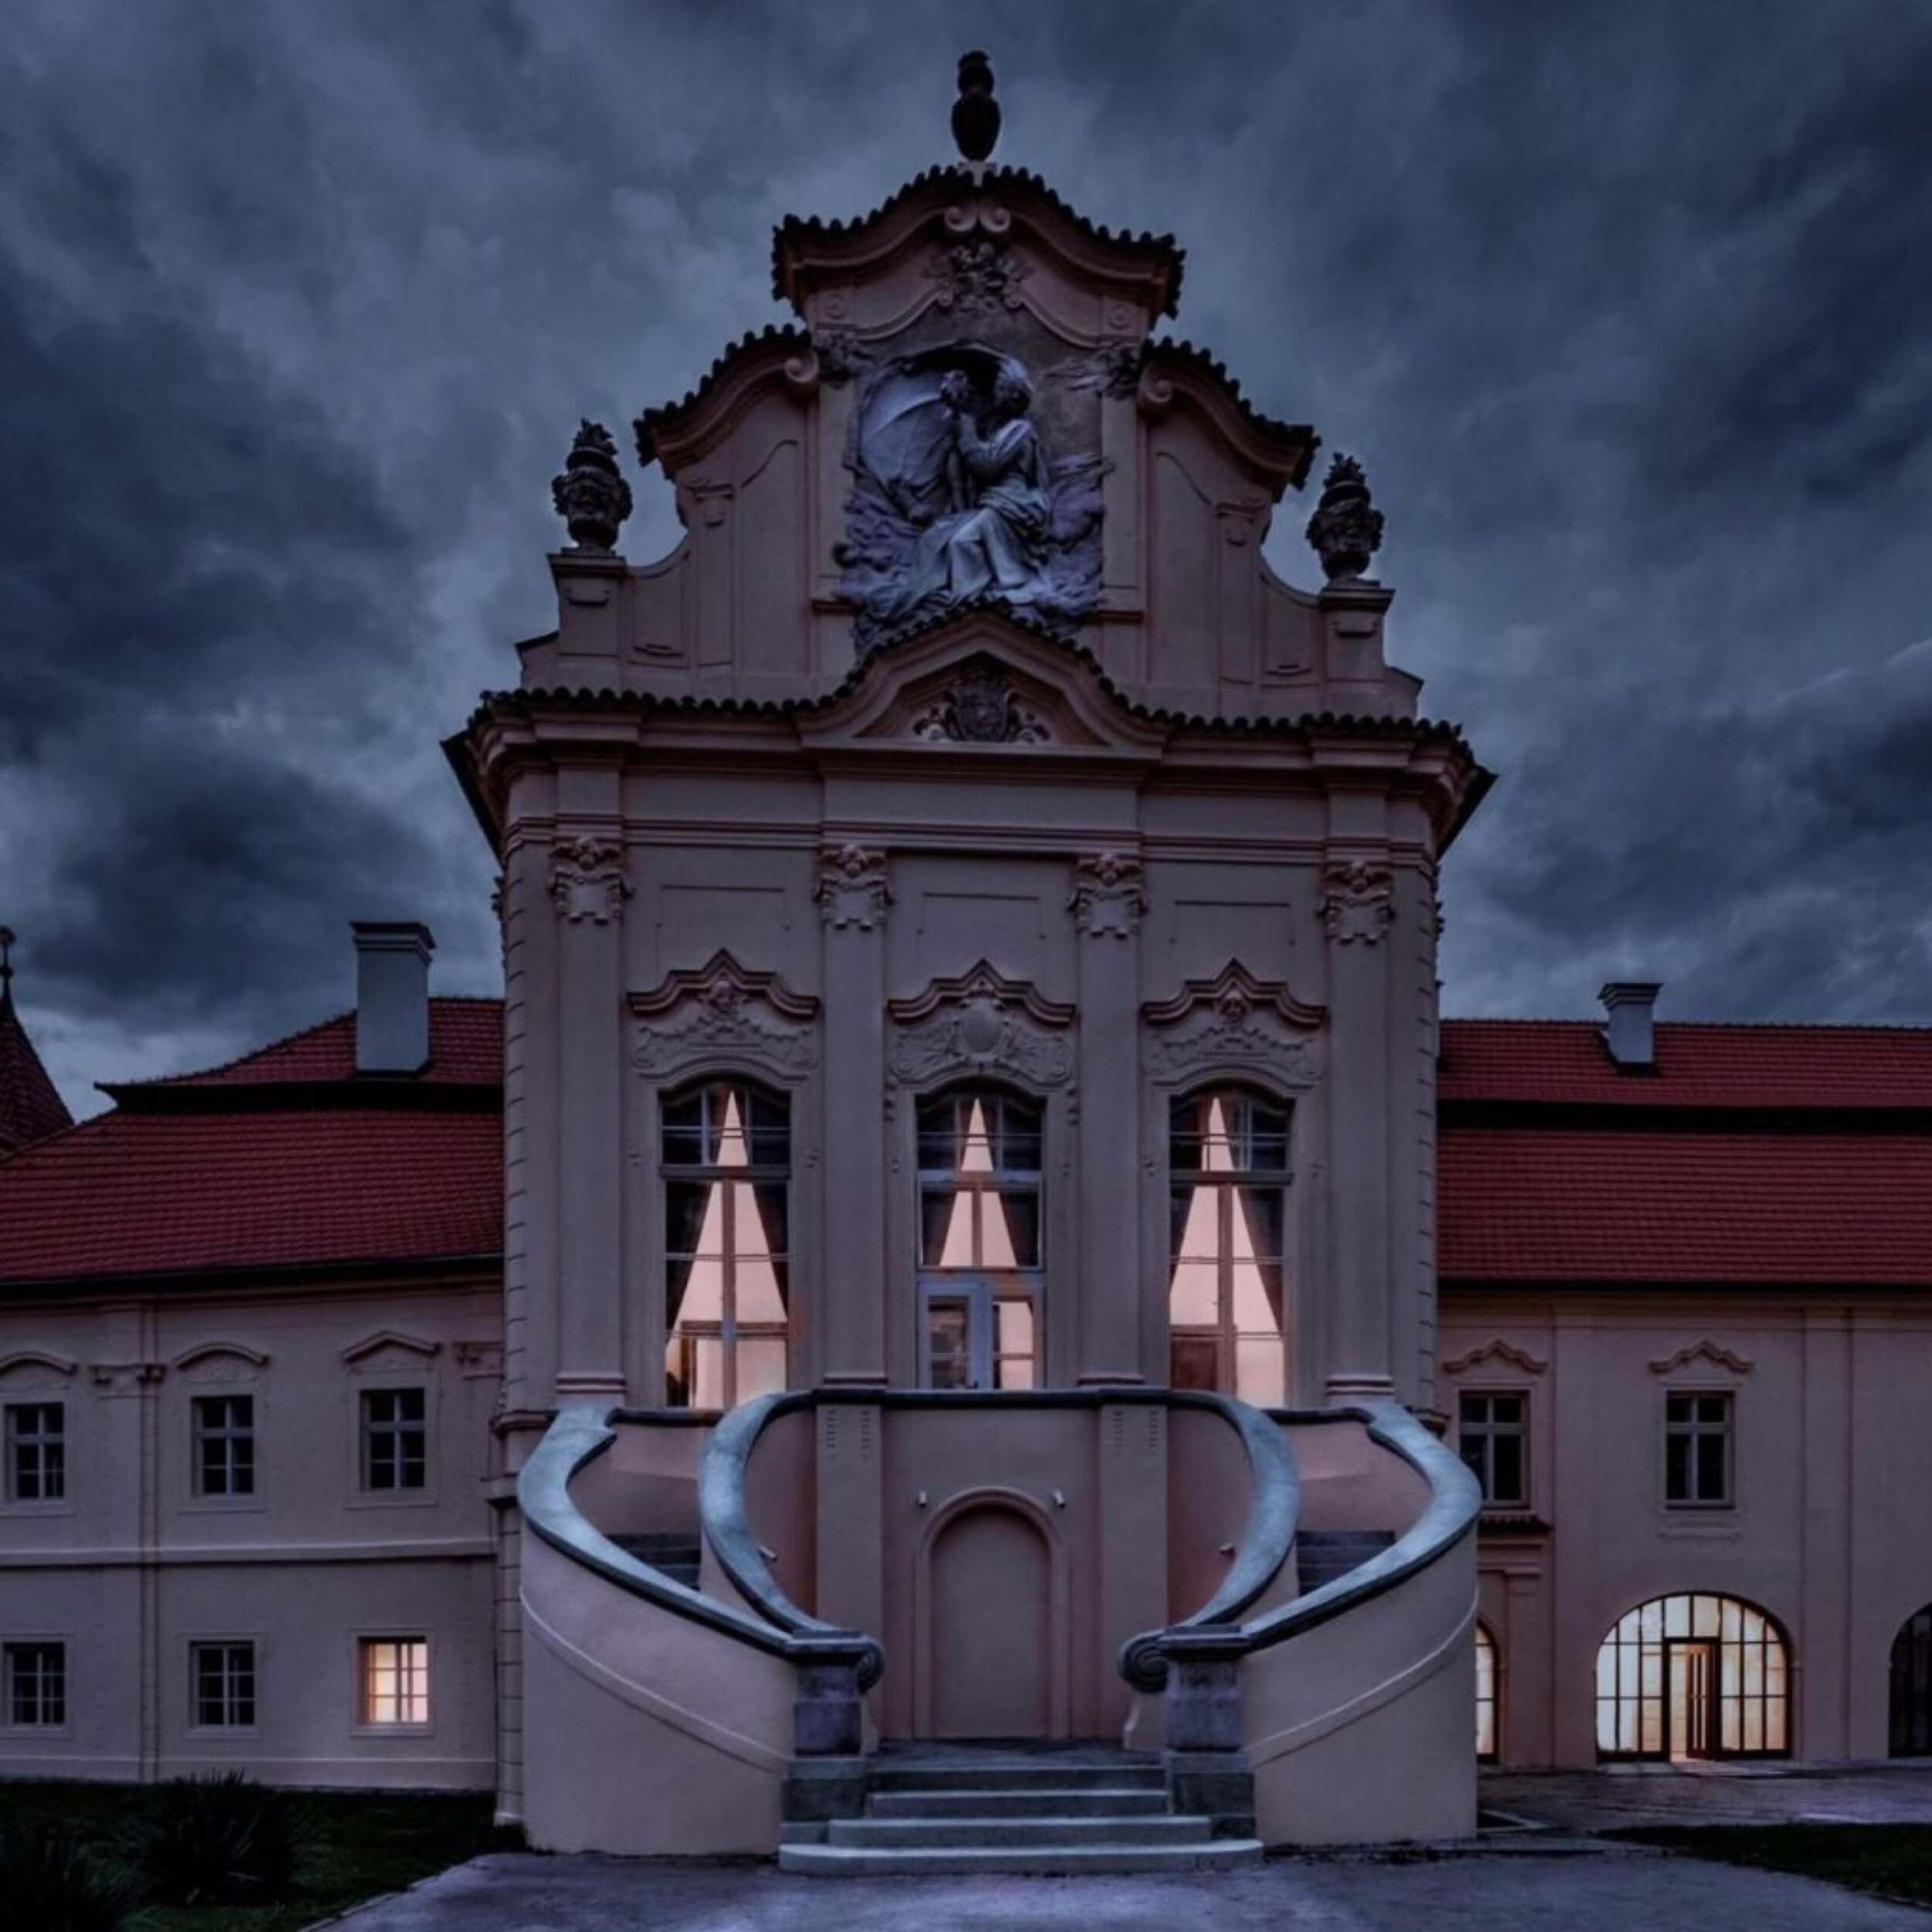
point(1345, 529)
point(591, 495)
point(975, 113)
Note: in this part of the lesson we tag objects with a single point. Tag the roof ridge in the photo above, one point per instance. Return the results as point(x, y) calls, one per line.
point(1729, 1026)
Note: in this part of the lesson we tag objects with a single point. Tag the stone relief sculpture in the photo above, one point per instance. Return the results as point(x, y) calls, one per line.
point(955, 500)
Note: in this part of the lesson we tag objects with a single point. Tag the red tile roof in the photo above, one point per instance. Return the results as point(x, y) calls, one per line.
point(1698, 1064)
point(281, 1159)
point(1752, 1153)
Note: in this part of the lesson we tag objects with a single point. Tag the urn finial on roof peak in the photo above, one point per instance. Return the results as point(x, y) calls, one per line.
point(591, 494)
point(975, 113)
point(1345, 529)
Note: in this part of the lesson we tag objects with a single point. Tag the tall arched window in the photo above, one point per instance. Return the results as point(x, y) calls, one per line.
point(1228, 1164)
point(979, 1238)
point(1692, 1676)
point(1487, 1675)
point(1912, 1686)
point(726, 1161)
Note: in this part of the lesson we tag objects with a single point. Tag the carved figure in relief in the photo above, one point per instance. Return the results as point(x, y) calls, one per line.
point(955, 500)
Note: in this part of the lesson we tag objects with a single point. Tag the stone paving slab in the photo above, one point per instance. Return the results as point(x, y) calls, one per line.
point(515, 1892)
point(1609, 1800)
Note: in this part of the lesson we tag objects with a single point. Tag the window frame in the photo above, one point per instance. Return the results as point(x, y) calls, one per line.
point(198, 1726)
point(202, 1498)
point(366, 1429)
point(983, 1287)
point(1614, 1639)
point(28, 1639)
point(362, 1724)
point(1225, 1335)
point(9, 1450)
point(1485, 1634)
point(1485, 1392)
point(701, 1082)
point(1692, 1432)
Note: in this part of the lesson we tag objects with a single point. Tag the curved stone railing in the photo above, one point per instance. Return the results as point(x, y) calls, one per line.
point(727, 1528)
point(1260, 1553)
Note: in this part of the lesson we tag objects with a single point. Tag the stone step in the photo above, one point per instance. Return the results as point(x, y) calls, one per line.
point(994, 1833)
point(1041, 1861)
point(1322, 1556)
point(679, 1554)
point(1105, 1801)
point(1016, 1775)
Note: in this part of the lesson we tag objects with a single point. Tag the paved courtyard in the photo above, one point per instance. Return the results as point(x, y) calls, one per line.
point(1594, 1891)
point(1607, 1801)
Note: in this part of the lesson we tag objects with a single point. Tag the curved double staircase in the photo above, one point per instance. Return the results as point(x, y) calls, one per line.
point(679, 1697)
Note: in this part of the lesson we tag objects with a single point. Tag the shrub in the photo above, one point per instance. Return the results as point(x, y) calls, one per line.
point(51, 1882)
point(223, 1840)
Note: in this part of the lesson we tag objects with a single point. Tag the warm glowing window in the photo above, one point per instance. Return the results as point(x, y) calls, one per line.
point(396, 1680)
point(979, 1208)
point(1485, 1696)
point(1692, 1676)
point(727, 1160)
point(1228, 1162)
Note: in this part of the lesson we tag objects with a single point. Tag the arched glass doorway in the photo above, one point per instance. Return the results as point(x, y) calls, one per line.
point(1912, 1686)
point(1488, 1703)
point(1693, 1676)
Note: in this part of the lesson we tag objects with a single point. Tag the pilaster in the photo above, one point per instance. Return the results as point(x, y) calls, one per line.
point(1108, 902)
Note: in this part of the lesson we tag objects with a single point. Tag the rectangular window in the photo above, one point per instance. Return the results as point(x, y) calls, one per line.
point(36, 1452)
point(36, 1687)
point(1697, 1450)
point(224, 1445)
point(224, 1685)
point(395, 1438)
point(396, 1680)
point(1490, 1432)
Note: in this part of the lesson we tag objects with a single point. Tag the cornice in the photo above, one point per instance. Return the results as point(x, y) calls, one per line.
point(677, 433)
point(1281, 454)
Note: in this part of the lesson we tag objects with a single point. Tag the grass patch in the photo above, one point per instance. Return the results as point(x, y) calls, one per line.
point(363, 1843)
point(1893, 1859)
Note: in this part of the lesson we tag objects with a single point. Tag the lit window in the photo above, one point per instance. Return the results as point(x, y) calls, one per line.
point(1489, 1432)
point(1227, 1163)
point(396, 1680)
point(224, 1685)
point(36, 1686)
point(979, 1212)
point(224, 1445)
point(36, 1452)
point(726, 1159)
point(1697, 1449)
point(1692, 1676)
point(395, 1438)
point(1485, 1696)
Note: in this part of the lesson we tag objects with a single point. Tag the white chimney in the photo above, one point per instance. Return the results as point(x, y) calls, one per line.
point(391, 996)
point(1630, 1032)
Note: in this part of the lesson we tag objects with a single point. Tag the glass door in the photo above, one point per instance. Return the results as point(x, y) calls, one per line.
point(976, 1332)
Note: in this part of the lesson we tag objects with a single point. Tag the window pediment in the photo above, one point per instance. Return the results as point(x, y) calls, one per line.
point(980, 1022)
point(724, 1011)
point(34, 1369)
point(219, 1361)
point(1235, 1022)
point(388, 1349)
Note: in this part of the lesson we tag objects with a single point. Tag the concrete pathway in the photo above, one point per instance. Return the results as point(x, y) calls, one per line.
point(1605, 1800)
point(1594, 1892)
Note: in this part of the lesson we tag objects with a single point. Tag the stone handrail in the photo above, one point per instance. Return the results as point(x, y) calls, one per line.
point(727, 1528)
point(581, 1432)
point(1263, 1547)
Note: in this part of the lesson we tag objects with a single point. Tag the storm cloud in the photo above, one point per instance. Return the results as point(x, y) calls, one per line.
point(1628, 311)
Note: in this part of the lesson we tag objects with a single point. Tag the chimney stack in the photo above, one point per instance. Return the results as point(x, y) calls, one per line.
point(391, 996)
point(1631, 1031)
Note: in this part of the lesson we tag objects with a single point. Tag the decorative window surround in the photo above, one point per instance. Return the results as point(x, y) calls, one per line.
point(1498, 1350)
point(980, 1023)
point(1238, 1024)
point(1705, 1350)
point(724, 1013)
point(358, 1353)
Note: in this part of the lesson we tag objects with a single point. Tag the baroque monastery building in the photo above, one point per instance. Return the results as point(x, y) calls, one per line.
point(965, 1227)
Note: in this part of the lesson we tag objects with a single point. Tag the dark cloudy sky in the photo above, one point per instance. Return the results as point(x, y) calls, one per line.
point(1627, 306)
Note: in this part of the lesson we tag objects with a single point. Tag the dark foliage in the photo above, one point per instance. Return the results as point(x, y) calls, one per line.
point(50, 1881)
point(214, 1840)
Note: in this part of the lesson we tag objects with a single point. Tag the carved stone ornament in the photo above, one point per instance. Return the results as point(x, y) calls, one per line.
point(981, 1022)
point(591, 494)
point(1360, 903)
point(1107, 896)
point(125, 1378)
point(1705, 1350)
point(586, 879)
point(973, 275)
point(1497, 1351)
point(30, 1370)
point(842, 355)
point(722, 1011)
point(1345, 529)
point(852, 889)
point(980, 707)
point(220, 1362)
point(1235, 1020)
point(1113, 369)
